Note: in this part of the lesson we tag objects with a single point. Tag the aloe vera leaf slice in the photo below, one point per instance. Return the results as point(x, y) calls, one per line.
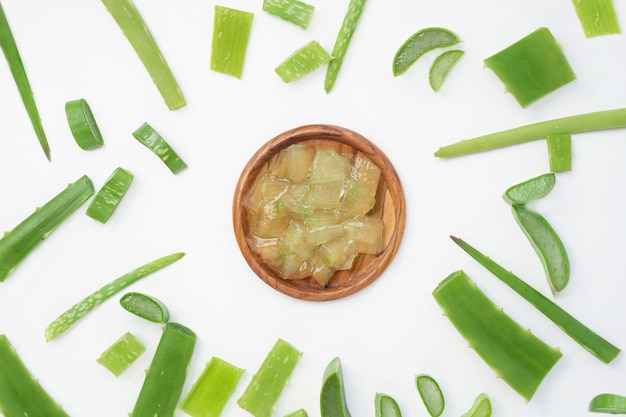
point(21, 394)
point(267, 384)
point(151, 139)
point(346, 31)
point(517, 356)
point(165, 378)
point(211, 391)
point(301, 412)
point(441, 66)
point(559, 152)
point(294, 11)
point(14, 60)
point(145, 306)
point(431, 394)
point(304, 60)
point(418, 44)
point(386, 406)
point(83, 125)
point(16, 244)
point(229, 44)
point(547, 244)
point(480, 408)
point(584, 336)
point(333, 394)
point(136, 31)
point(106, 201)
point(597, 17)
point(121, 354)
point(608, 403)
point(80, 309)
point(530, 190)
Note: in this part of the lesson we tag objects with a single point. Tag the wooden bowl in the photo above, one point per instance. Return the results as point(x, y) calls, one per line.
point(390, 206)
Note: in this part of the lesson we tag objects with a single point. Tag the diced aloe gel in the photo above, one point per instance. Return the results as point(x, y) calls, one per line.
point(106, 201)
point(293, 162)
point(294, 11)
point(304, 60)
point(597, 17)
point(333, 396)
point(121, 354)
point(560, 152)
point(231, 31)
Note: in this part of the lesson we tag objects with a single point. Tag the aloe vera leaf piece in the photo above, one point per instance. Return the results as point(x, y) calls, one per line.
point(23, 238)
point(386, 406)
point(165, 378)
point(348, 27)
point(547, 244)
point(145, 306)
point(480, 408)
point(21, 394)
point(441, 66)
point(134, 28)
point(608, 403)
point(431, 394)
point(83, 125)
point(150, 138)
point(110, 195)
point(584, 336)
point(597, 17)
point(294, 11)
point(263, 391)
point(211, 391)
point(418, 44)
point(530, 190)
point(80, 309)
point(333, 394)
point(304, 60)
point(560, 152)
point(14, 60)
point(298, 413)
point(586, 122)
point(121, 354)
point(518, 357)
point(229, 44)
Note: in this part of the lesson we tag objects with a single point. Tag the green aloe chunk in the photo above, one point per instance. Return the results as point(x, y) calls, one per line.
point(14, 60)
point(517, 356)
point(21, 394)
point(431, 394)
point(560, 152)
point(16, 244)
point(80, 309)
point(548, 245)
point(121, 354)
point(418, 44)
point(231, 32)
point(333, 394)
point(480, 408)
point(348, 27)
point(267, 384)
point(532, 67)
point(110, 195)
point(294, 11)
point(147, 136)
point(209, 394)
point(584, 336)
point(134, 28)
point(165, 378)
point(83, 124)
point(304, 60)
point(597, 17)
point(145, 306)
point(298, 413)
point(530, 190)
point(441, 66)
point(386, 406)
point(608, 403)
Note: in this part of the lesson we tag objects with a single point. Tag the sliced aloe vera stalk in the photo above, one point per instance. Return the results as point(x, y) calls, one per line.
point(83, 124)
point(418, 44)
point(480, 408)
point(145, 306)
point(294, 11)
point(231, 31)
point(110, 195)
point(151, 139)
point(298, 413)
point(441, 66)
point(121, 354)
point(597, 17)
point(530, 190)
point(386, 406)
point(608, 403)
point(304, 60)
point(431, 394)
point(333, 395)
point(560, 152)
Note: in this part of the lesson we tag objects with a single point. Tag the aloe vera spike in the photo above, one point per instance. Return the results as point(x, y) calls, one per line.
point(584, 336)
point(145, 306)
point(333, 395)
point(386, 406)
point(134, 28)
point(517, 356)
point(165, 378)
point(597, 17)
point(608, 403)
point(121, 354)
point(586, 122)
point(23, 238)
point(21, 394)
point(12, 55)
point(80, 309)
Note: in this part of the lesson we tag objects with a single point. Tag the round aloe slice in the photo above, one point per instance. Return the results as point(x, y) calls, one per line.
point(145, 306)
point(418, 44)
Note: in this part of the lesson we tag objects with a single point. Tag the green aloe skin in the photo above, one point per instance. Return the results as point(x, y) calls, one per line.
point(333, 394)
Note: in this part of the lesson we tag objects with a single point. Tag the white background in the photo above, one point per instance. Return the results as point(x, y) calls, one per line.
point(392, 330)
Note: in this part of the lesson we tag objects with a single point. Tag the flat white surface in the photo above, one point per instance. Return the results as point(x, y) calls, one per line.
point(389, 332)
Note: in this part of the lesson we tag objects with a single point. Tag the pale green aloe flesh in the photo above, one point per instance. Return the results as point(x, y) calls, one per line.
point(584, 336)
point(418, 44)
point(294, 11)
point(303, 61)
point(530, 190)
point(80, 309)
point(560, 152)
point(517, 356)
point(121, 354)
point(134, 28)
point(608, 403)
point(480, 408)
point(441, 66)
point(229, 44)
point(267, 384)
point(165, 378)
point(14, 60)
point(145, 306)
point(21, 394)
point(105, 202)
point(597, 17)
point(333, 394)
point(298, 413)
point(150, 138)
point(431, 394)
point(83, 124)
point(209, 394)
point(386, 406)
point(348, 26)
point(19, 242)
point(587, 122)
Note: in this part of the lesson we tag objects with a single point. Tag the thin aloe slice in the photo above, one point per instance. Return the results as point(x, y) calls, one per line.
point(301, 412)
point(547, 244)
point(532, 67)
point(209, 394)
point(441, 66)
point(418, 44)
point(16, 244)
point(80, 309)
point(134, 28)
point(608, 403)
point(294, 11)
point(597, 17)
point(517, 356)
point(21, 394)
point(560, 152)
point(480, 408)
point(267, 384)
point(586, 122)
point(121, 354)
point(145, 306)
point(304, 60)
point(165, 378)
point(348, 27)
point(231, 32)
point(386, 406)
point(584, 336)
point(431, 394)
point(530, 190)
point(333, 394)
point(151, 139)
point(83, 125)
point(106, 201)
point(14, 60)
